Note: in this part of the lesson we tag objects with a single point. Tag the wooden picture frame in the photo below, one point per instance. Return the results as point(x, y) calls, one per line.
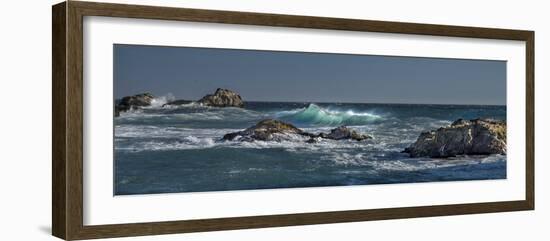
point(67, 150)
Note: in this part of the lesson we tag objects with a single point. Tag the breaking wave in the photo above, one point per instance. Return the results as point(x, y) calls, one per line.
point(315, 115)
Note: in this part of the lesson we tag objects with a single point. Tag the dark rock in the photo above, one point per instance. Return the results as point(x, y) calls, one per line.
point(314, 139)
point(177, 102)
point(344, 133)
point(462, 137)
point(222, 98)
point(133, 102)
point(460, 122)
point(267, 130)
point(322, 135)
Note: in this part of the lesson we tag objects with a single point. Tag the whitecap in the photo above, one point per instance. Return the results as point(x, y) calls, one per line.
point(409, 164)
point(186, 143)
point(315, 115)
point(158, 102)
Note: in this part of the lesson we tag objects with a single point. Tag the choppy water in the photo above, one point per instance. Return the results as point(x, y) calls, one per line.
point(178, 149)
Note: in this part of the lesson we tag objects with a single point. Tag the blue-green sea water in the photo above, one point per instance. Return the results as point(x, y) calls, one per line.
point(179, 149)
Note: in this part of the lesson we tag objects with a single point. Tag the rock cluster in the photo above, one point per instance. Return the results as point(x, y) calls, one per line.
point(462, 137)
point(220, 98)
point(275, 130)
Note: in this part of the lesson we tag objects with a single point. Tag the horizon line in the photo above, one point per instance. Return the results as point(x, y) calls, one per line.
point(344, 102)
point(347, 102)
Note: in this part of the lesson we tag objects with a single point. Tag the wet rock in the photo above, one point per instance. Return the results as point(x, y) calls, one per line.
point(344, 133)
point(133, 102)
point(268, 130)
point(222, 98)
point(462, 137)
point(275, 130)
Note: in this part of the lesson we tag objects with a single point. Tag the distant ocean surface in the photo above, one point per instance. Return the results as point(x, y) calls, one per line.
point(178, 149)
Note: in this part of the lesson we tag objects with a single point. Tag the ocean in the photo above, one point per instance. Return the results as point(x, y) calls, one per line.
point(179, 149)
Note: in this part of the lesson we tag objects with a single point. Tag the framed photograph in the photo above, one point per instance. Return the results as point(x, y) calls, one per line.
point(170, 120)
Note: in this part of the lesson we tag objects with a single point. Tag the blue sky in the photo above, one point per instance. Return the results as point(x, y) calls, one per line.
point(190, 73)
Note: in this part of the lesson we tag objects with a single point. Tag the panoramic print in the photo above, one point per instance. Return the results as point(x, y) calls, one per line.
point(192, 119)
